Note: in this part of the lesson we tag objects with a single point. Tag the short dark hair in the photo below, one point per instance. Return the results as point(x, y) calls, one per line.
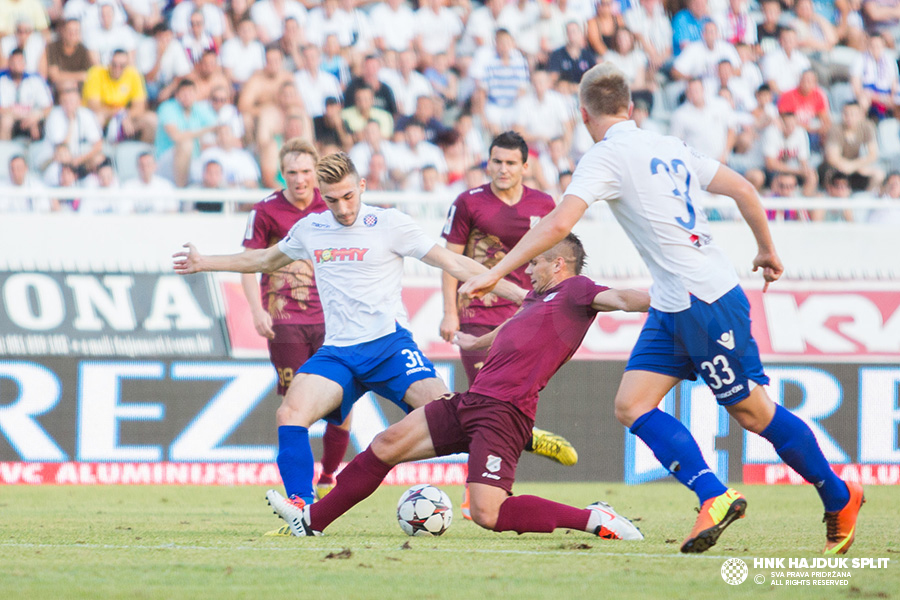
point(571, 250)
point(510, 140)
point(183, 84)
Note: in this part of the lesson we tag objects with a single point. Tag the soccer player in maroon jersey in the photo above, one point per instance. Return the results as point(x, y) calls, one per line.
point(493, 420)
point(285, 304)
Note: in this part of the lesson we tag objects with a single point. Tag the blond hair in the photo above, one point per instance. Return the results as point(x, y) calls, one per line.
point(333, 168)
point(604, 90)
point(297, 146)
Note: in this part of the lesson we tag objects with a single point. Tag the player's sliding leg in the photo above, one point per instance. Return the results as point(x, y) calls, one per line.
point(334, 447)
point(796, 444)
point(493, 508)
point(673, 445)
point(309, 398)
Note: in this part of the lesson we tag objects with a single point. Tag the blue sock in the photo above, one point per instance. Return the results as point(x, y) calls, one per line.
point(295, 461)
point(797, 446)
point(675, 447)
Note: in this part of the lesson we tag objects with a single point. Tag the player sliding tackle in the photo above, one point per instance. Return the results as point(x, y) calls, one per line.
point(493, 420)
point(699, 319)
point(357, 252)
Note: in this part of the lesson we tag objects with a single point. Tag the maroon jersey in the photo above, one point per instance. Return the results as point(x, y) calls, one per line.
point(555, 321)
point(488, 228)
point(289, 294)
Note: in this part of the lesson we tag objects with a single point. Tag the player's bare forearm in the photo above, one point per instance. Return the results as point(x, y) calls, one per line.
point(464, 268)
point(469, 342)
point(251, 261)
point(626, 300)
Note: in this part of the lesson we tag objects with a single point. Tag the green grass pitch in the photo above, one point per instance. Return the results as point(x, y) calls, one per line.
point(206, 542)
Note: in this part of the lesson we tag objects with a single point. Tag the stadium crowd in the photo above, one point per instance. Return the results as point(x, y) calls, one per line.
point(799, 96)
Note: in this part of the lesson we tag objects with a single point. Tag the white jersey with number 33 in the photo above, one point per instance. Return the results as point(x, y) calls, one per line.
point(651, 183)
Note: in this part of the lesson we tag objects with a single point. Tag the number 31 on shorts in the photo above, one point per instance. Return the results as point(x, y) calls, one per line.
point(718, 372)
point(413, 358)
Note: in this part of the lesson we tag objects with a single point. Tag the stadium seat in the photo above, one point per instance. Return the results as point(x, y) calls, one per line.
point(126, 154)
point(889, 141)
point(8, 149)
point(40, 153)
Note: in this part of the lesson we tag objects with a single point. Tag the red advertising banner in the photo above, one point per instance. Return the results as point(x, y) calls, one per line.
point(864, 474)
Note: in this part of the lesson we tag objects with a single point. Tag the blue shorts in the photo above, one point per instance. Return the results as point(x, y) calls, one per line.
point(386, 366)
point(713, 340)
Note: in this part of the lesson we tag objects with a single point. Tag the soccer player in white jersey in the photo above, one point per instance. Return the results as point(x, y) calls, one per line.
point(699, 320)
point(357, 253)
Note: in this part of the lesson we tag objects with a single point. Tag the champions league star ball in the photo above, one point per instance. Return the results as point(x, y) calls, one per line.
point(424, 510)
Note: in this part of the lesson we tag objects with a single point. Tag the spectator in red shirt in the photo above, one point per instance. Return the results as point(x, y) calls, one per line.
point(810, 104)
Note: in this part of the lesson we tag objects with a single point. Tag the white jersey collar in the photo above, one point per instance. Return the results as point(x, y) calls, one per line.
point(620, 127)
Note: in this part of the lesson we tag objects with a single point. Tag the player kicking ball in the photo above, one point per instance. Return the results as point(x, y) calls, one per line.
point(492, 421)
point(357, 253)
point(699, 321)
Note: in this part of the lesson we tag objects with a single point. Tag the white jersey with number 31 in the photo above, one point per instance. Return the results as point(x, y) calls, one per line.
point(651, 183)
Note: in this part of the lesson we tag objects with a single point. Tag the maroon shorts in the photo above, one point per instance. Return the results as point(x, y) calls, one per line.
point(493, 432)
point(292, 346)
point(473, 360)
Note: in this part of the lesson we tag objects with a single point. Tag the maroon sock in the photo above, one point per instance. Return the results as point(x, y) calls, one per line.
point(356, 482)
point(524, 514)
point(334, 446)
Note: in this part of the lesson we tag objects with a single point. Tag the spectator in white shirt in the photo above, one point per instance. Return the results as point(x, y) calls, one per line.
point(328, 18)
point(314, 84)
point(705, 124)
point(25, 100)
point(521, 19)
point(502, 75)
point(875, 79)
point(109, 37)
point(783, 66)
point(104, 179)
point(243, 54)
point(147, 180)
point(162, 61)
point(786, 150)
point(543, 114)
point(417, 153)
point(238, 166)
point(20, 177)
point(482, 24)
point(31, 43)
point(701, 59)
point(437, 30)
point(406, 83)
point(197, 40)
point(269, 17)
point(88, 12)
point(72, 124)
point(393, 25)
point(214, 22)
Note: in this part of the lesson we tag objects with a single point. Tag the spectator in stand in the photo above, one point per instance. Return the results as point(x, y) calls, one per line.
point(270, 16)
point(31, 11)
point(444, 81)
point(481, 25)
point(196, 40)
point(239, 168)
point(20, 177)
point(104, 179)
point(25, 100)
point(51, 172)
point(810, 104)
point(568, 63)
point(110, 37)
point(272, 129)
point(214, 22)
point(889, 191)
point(364, 110)
point(837, 186)
point(378, 179)
point(162, 199)
point(502, 75)
point(736, 24)
point(641, 116)
point(875, 80)
point(292, 42)
point(76, 127)
point(852, 149)
point(602, 27)
point(67, 59)
point(881, 18)
point(330, 128)
point(162, 61)
point(786, 150)
point(213, 179)
point(256, 94)
point(32, 45)
point(117, 96)
point(183, 122)
point(783, 66)
point(707, 124)
point(424, 116)
point(701, 59)
point(393, 25)
point(849, 24)
point(437, 30)
point(749, 72)
point(544, 114)
point(432, 182)
point(328, 18)
point(315, 84)
point(742, 98)
point(384, 96)
point(521, 18)
point(416, 153)
point(556, 160)
point(144, 15)
point(632, 61)
point(652, 29)
point(207, 74)
point(687, 24)
point(815, 34)
point(406, 83)
point(768, 32)
point(88, 12)
point(221, 101)
point(374, 143)
point(784, 185)
point(333, 61)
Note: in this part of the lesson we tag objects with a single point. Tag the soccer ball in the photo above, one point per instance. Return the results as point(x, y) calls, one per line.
point(424, 510)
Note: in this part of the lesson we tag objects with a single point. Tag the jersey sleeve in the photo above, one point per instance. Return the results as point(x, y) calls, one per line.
point(456, 229)
point(407, 238)
point(292, 245)
point(584, 290)
point(256, 234)
point(595, 178)
point(704, 166)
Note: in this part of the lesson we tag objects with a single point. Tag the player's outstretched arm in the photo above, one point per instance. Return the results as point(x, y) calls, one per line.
point(251, 261)
point(627, 300)
point(546, 234)
point(729, 183)
point(450, 322)
point(262, 320)
point(464, 268)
